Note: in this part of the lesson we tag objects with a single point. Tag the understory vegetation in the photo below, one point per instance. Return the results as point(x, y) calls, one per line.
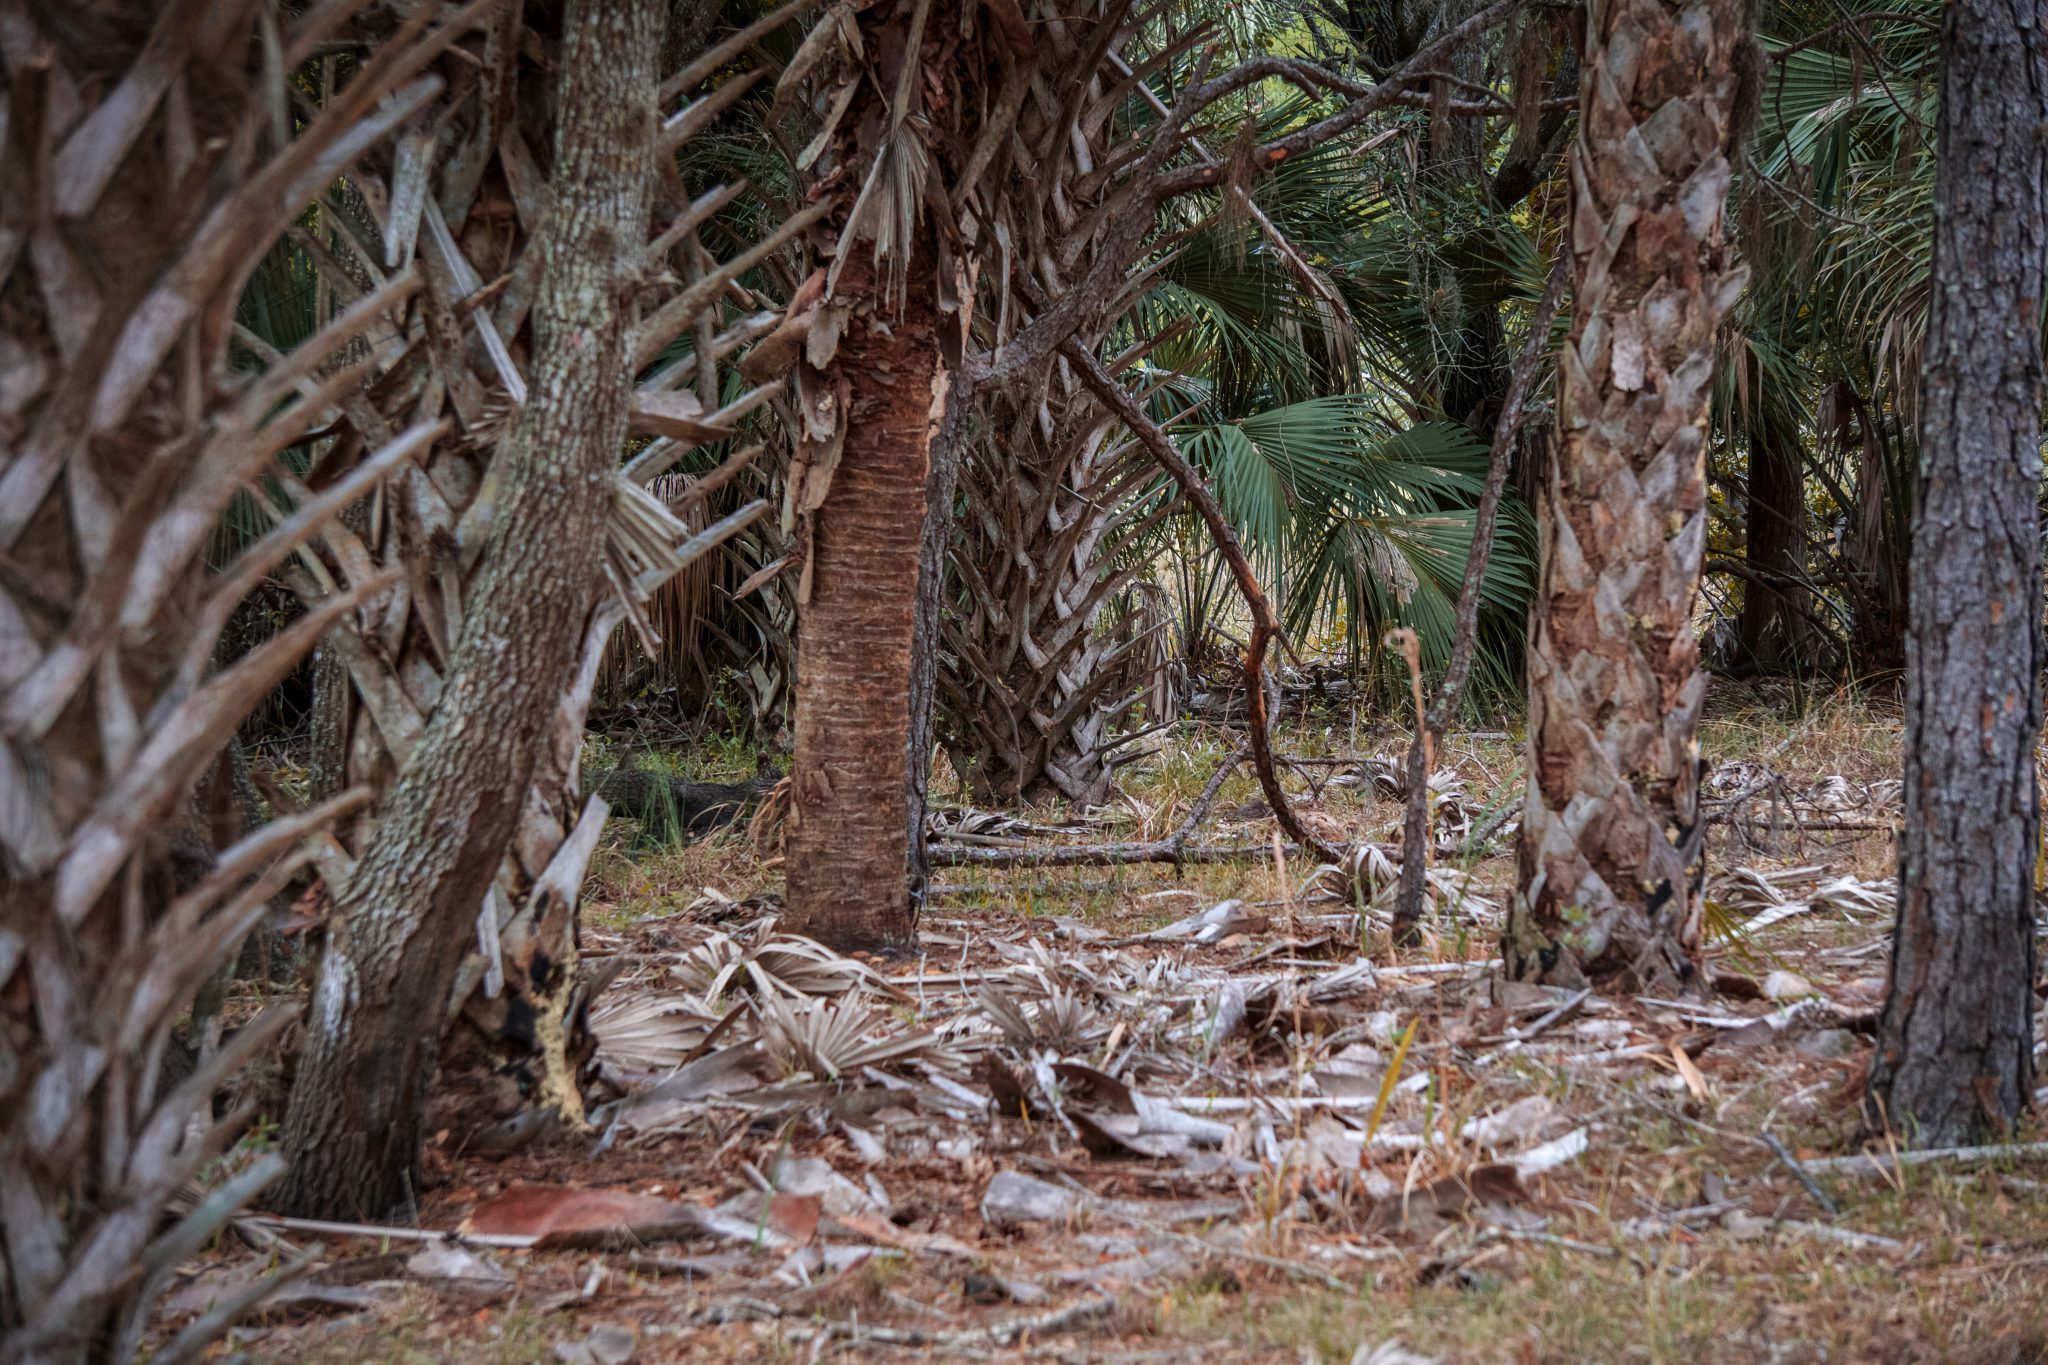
point(906, 679)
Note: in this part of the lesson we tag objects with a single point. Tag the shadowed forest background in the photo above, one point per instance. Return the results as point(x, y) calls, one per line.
point(689, 680)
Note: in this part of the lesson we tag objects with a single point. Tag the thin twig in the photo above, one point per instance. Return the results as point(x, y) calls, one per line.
point(1886, 1165)
point(1513, 415)
point(1791, 1163)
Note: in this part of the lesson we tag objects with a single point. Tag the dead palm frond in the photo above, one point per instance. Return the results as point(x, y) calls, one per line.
point(832, 1039)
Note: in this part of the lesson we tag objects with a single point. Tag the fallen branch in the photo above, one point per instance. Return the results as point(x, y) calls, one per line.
point(318, 1227)
point(1513, 415)
point(1791, 1163)
point(1891, 1163)
point(1172, 849)
point(1103, 855)
point(1265, 628)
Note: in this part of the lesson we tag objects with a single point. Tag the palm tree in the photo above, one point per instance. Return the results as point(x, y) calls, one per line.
point(1031, 689)
point(1357, 523)
point(1610, 863)
point(924, 170)
point(146, 178)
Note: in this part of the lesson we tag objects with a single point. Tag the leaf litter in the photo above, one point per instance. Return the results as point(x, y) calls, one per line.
point(1042, 1124)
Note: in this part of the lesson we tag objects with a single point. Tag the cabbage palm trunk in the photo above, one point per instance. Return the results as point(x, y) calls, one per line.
point(929, 111)
point(1032, 689)
point(1611, 847)
point(143, 183)
point(848, 851)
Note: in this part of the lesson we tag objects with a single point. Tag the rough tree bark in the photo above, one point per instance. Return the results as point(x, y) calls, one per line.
point(1772, 629)
point(1610, 864)
point(399, 927)
point(1955, 1054)
point(849, 832)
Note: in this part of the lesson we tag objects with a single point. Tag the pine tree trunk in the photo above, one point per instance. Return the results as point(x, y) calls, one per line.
point(848, 841)
point(1610, 863)
point(400, 926)
point(1955, 1048)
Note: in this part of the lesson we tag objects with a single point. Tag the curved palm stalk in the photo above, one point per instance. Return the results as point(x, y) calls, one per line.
point(144, 182)
point(467, 203)
point(1265, 627)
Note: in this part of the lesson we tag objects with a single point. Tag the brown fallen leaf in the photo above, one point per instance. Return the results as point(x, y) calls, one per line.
point(1494, 1183)
point(548, 1211)
point(794, 1216)
point(563, 1216)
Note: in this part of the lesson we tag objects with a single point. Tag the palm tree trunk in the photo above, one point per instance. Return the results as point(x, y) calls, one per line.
point(849, 835)
point(139, 194)
point(1031, 685)
point(1772, 628)
point(1955, 1054)
point(400, 925)
point(1610, 864)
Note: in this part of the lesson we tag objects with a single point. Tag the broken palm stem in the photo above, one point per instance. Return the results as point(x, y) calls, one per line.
point(1513, 416)
point(1265, 628)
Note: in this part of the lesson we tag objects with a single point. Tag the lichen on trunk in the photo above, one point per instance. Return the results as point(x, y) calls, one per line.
point(400, 925)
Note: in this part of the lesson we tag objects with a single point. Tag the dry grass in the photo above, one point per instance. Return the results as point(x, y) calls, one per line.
point(1948, 1266)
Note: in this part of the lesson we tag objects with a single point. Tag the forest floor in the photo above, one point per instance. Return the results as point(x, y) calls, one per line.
point(1101, 1119)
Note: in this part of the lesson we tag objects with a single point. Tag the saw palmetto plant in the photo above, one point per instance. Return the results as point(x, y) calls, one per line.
point(1251, 308)
point(1816, 404)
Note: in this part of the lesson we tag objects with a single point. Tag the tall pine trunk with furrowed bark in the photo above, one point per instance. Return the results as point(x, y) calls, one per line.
point(1955, 1051)
point(1610, 862)
point(400, 925)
